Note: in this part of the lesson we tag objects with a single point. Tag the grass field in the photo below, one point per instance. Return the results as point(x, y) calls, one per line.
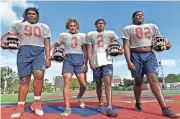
point(123, 101)
point(11, 98)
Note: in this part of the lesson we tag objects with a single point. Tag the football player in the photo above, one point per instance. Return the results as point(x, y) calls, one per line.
point(32, 58)
point(75, 61)
point(101, 64)
point(137, 40)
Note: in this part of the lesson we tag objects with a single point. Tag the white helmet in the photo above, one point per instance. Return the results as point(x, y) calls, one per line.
point(12, 41)
point(113, 49)
point(159, 43)
point(58, 54)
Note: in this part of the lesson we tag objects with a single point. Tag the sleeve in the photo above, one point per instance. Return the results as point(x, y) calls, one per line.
point(88, 39)
point(156, 31)
point(84, 39)
point(14, 28)
point(60, 39)
point(47, 32)
point(114, 35)
point(125, 34)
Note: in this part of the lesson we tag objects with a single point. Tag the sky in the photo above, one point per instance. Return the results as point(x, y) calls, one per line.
point(117, 14)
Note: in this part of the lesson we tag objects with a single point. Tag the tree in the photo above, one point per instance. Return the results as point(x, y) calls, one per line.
point(160, 79)
point(172, 78)
point(14, 86)
point(47, 87)
point(91, 85)
point(8, 76)
point(75, 83)
point(128, 82)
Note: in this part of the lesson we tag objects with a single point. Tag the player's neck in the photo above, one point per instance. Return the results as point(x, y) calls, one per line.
point(73, 33)
point(100, 30)
point(138, 23)
point(30, 22)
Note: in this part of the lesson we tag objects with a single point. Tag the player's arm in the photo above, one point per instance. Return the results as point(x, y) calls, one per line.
point(114, 37)
point(55, 45)
point(12, 30)
point(3, 42)
point(46, 36)
point(47, 47)
point(126, 44)
point(89, 52)
point(127, 47)
point(168, 46)
point(47, 52)
point(58, 43)
point(84, 48)
point(89, 49)
point(157, 33)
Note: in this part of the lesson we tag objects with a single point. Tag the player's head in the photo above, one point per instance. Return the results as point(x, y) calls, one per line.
point(31, 15)
point(72, 25)
point(138, 17)
point(100, 24)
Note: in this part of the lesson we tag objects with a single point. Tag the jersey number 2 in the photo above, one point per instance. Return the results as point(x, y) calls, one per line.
point(29, 31)
point(100, 40)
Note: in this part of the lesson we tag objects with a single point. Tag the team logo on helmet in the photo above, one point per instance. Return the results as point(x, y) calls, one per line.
point(12, 41)
point(113, 49)
point(58, 54)
point(159, 43)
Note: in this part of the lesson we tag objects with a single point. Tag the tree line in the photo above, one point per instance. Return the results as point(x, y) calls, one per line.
point(10, 82)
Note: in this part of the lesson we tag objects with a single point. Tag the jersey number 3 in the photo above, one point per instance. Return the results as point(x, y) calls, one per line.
point(143, 32)
point(29, 31)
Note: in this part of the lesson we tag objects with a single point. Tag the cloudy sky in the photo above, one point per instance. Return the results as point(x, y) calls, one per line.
point(117, 14)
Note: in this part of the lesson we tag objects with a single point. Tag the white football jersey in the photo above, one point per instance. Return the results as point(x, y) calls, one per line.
point(31, 34)
point(140, 35)
point(72, 42)
point(100, 42)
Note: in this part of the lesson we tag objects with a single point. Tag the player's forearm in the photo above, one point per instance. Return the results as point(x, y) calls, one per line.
point(85, 54)
point(127, 54)
point(54, 46)
point(47, 48)
point(89, 49)
point(126, 44)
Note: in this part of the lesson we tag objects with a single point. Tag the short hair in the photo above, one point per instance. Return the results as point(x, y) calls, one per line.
point(69, 20)
point(134, 14)
point(100, 20)
point(27, 10)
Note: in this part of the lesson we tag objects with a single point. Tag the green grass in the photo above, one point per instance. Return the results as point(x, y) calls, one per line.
point(7, 98)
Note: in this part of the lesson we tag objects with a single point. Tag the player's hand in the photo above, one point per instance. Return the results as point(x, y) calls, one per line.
point(51, 58)
point(131, 66)
point(85, 68)
point(93, 66)
point(3, 41)
point(48, 63)
point(121, 51)
point(168, 46)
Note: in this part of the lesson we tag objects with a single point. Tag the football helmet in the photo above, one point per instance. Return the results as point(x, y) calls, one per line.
point(12, 41)
point(113, 49)
point(58, 54)
point(159, 43)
